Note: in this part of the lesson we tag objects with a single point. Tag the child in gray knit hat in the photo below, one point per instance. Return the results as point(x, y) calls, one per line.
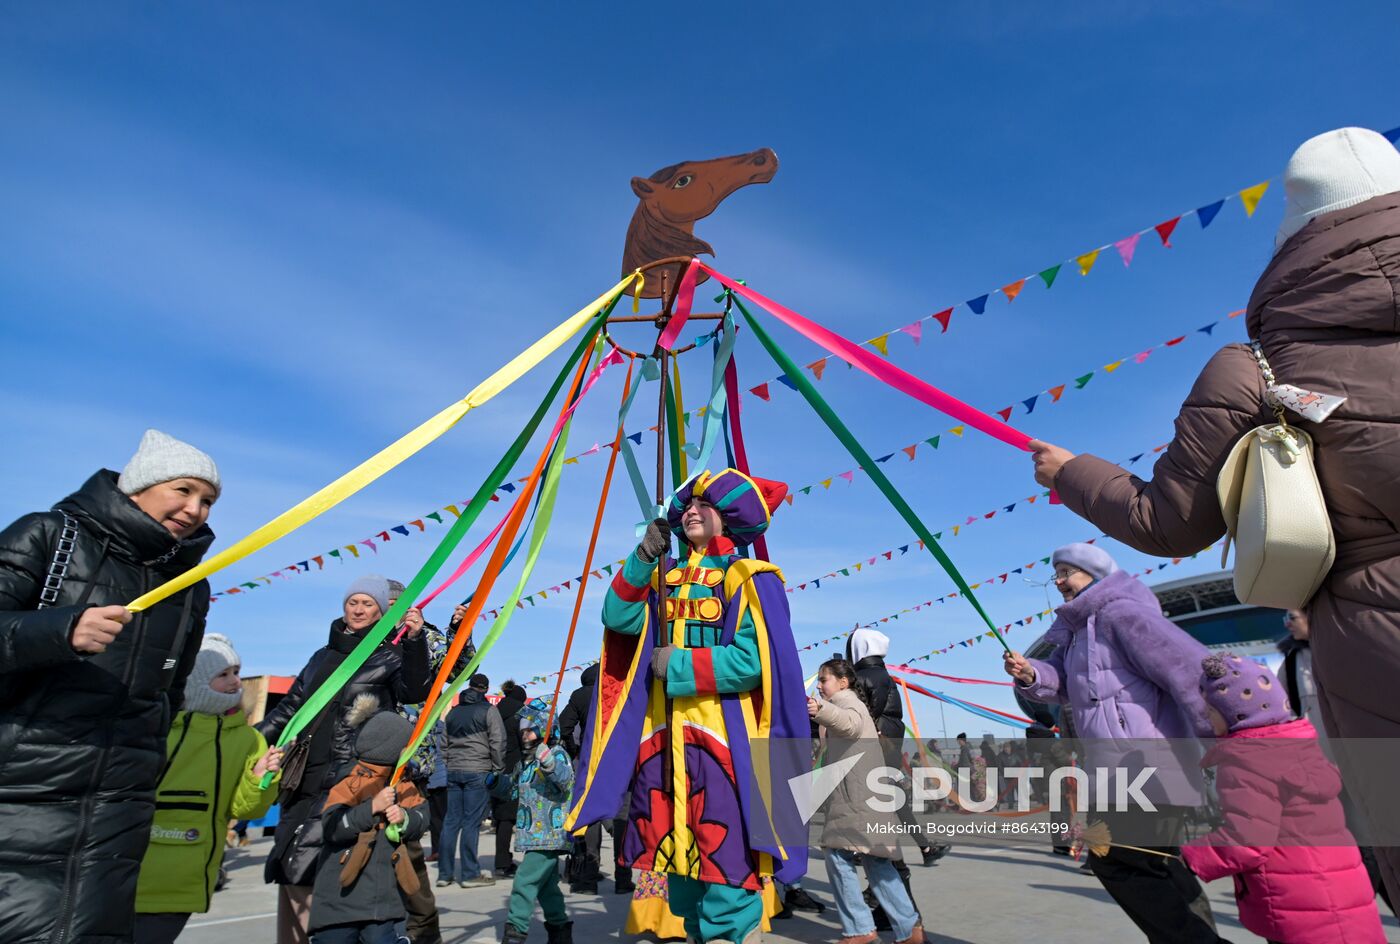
point(367, 824)
point(213, 757)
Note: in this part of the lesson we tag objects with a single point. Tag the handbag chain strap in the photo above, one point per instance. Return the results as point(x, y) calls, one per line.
point(58, 567)
point(1269, 399)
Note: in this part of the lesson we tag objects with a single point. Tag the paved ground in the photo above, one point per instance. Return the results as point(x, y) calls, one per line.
point(975, 895)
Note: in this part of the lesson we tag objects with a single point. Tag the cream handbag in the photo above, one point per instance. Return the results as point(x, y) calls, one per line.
point(1274, 510)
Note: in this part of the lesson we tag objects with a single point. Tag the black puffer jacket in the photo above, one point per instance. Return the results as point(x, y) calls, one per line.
point(884, 697)
point(575, 714)
point(82, 738)
point(395, 675)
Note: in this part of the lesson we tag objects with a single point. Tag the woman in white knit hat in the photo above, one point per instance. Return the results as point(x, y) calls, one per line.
point(1327, 314)
point(87, 689)
point(214, 764)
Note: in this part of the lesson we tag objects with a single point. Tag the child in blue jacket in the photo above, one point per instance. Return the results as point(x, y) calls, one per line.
point(542, 783)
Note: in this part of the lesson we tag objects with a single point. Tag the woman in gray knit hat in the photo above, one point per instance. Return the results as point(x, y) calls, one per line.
point(87, 689)
point(394, 675)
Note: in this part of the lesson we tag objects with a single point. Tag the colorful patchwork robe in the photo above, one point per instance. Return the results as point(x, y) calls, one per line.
point(738, 730)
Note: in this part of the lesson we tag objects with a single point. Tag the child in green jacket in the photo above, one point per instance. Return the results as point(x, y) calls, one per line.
point(214, 762)
point(542, 782)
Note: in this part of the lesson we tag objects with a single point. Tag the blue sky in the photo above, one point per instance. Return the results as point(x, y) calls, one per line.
point(289, 234)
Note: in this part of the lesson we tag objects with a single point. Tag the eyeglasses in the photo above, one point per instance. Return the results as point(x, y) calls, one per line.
point(1053, 578)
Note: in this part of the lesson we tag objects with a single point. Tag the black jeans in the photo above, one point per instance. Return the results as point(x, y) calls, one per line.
point(437, 812)
point(365, 932)
point(503, 813)
point(1161, 895)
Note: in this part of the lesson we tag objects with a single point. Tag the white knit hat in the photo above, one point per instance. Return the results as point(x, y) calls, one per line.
point(1334, 171)
point(161, 458)
point(216, 653)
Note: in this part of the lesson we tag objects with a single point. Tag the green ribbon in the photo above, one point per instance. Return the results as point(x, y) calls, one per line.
point(323, 695)
point(871, 467)
point(549, 490)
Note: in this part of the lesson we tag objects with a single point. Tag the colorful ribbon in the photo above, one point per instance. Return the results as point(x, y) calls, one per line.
point(877, 367)
point(495, 563)
point(387, 458)
point(857, 451)
point(434, 709)
point(317, 701)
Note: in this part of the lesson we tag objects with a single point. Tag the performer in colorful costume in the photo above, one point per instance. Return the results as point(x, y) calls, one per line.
point(714, 712)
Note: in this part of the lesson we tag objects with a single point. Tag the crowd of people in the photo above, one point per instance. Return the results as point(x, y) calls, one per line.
point(125, 752)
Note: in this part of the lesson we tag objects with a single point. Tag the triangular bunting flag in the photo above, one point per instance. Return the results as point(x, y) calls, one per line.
point(805, 490)
point(957, 430)
point(885, 458)
point(1207, 213)
point(400, 529)
point(786, 381)
point(320, 561)
point(435, 515)
point(978, 304)
point(1174, 341)
point(932, 441)
point(1135, 458)
point(1141, 356)
point(1127, 247)
point(825, 483)
point(1005, 415)
point(1056, 393)
point(909, 451)
point(1030, 403)
point(943, 317)
point(881, 344)
point(418, 523)
point(1250, 197)
point(761, 391)
point(788, 498)
point(1048, 276)
point(915, 331)
point(1086, 261)
point(1208, 328)
point(1110, 368)
point(848, 476)
point(1164, 230)
point(816, 367)
point(1079, 382)
point(1012, 290)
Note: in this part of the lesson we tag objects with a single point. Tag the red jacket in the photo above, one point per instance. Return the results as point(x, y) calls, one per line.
point(1298, 875)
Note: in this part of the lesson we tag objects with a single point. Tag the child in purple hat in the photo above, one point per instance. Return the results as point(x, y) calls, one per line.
point(1298, 874)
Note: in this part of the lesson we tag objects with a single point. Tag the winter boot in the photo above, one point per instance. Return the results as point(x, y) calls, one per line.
point(509, 935)
point(798, 900)
point(622, 881)
point(562, 933)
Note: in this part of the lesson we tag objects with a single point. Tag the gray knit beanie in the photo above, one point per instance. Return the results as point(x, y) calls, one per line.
point(1094, 561)
point(383, 735)
point(371, 585)
point(161, 458)
point(216, 653)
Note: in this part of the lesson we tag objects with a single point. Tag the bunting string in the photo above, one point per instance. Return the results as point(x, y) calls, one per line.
point(912, 451)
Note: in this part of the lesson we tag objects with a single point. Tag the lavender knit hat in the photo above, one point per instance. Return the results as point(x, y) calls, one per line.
point(1247, 694)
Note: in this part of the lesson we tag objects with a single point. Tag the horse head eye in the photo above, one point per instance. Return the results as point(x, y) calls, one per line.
point(683, 182)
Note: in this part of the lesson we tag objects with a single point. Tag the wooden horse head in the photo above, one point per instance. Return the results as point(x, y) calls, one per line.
point(673, 198)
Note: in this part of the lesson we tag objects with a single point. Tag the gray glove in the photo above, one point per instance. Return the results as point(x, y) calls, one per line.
point(655, 542)
point(660, 657)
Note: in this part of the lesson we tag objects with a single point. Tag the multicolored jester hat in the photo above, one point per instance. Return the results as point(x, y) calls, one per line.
point(593, 353)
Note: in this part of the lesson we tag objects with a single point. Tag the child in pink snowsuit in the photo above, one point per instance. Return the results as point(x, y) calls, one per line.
point(1298, 875)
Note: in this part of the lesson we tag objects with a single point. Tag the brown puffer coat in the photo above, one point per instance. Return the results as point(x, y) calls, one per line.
point(1327, 312)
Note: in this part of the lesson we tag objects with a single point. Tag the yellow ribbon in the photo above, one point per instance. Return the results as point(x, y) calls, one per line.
point(387, 458)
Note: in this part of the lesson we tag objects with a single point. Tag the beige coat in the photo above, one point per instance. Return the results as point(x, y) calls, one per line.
point(1327, 312)
point(852, 822)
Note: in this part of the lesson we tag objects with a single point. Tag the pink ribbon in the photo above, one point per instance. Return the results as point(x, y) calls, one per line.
point(613, 357)
point(685, 300)
point(881, 369)
point(948, 678)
